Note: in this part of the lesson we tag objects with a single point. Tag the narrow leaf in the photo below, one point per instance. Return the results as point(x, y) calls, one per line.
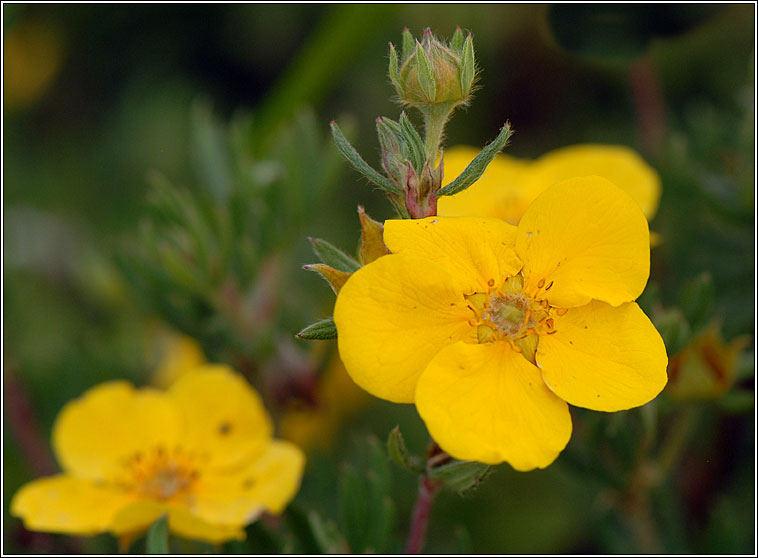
point(696, 299)
point(468, 65)
point(476, 168)
point(399, 452)
point(319, 331)
point(333, 256)
point(157, 536)
point(382, 508)
point(456, 43)
point(413, 141)
point(354, 158)
point(302, 529)
point(460, 476)
point(408, 44)
point(326, 535)
point(425, 73)
point(394, 70)
point(334, 277)
point(353, 509)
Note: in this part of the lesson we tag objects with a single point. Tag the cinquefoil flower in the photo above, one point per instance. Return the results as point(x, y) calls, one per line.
point(509, 184)
point(492, 329)
point(201, 452)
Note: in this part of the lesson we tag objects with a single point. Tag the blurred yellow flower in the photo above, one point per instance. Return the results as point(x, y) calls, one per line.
point(180, 354)
point(492, 329)
point(200, 452)
point(32, 57)
point(509, 184)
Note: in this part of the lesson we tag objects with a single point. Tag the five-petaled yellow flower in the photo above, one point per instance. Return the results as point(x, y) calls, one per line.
point(200, 452)
point(492, 329)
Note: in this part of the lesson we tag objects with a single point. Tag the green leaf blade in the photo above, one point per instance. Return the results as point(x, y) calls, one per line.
point(333, 256)
point(157, 536)
point(319, 331)
point(353, 157)
point(476, 168)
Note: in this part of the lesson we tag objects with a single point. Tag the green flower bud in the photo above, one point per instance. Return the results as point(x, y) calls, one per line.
point(395, 151)
point(431, 72)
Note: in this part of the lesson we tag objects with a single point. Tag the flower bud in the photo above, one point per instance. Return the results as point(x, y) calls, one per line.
point(431, 72)
point(395, 151)
point(421, 190)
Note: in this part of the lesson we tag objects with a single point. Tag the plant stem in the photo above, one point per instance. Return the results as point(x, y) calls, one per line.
point(427, 490)
point(24, 426)
point(649, 104)
point(435, 118)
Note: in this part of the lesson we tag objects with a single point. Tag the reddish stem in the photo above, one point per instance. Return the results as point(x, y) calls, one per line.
point(649, 104)
point(23, 424)
point(427, 490)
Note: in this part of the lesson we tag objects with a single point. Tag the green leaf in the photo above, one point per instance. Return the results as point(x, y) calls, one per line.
point(463, 544)
point(737, 402)
point(413, 141)
point(425, 73)
point(408, 44)
point(319, 331)
point(211, 152)
point(353, 508)
point(476, 168)
point(398, 452)
point(468, 65)
point(674, 329)
point(302, 529)
point(394, 70)
point(696, 300)
point(157, 536)
point(460, 476)
point(327, 536)
point(456, 43)
point(357, 162)
point(333, 256)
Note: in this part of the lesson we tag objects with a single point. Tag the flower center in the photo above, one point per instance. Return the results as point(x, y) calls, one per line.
point(161, 474)
point(507, 313)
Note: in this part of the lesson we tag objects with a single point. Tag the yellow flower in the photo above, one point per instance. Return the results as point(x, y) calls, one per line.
point(180, 354)
point(492, 329)
point(509, 184)
point(200, 452)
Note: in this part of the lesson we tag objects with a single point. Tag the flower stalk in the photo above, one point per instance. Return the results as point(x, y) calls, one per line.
point(427, 491)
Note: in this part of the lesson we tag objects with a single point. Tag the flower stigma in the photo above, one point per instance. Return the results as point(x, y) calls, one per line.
point(508, 314)
point(160, 474)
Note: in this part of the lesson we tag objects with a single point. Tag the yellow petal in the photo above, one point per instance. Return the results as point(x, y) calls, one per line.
point(64, 504)
point(392, 316)
point(223, 416)
point(95, 433)
point(137, 518)
point(581, 239)
point(500, 192)
point(474, 251)
point(269, 483)
point(616, 163)
point(604, 358)
point(488, 403)
point(181, 355)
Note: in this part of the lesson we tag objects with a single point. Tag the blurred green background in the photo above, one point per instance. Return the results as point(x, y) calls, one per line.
point(106, 105)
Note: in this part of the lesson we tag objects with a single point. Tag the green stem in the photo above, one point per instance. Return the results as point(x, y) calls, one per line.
point(435, 118)
point(676, 438)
